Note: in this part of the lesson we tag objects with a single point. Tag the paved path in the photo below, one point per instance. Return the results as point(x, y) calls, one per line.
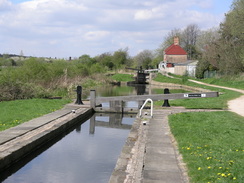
point(160, 161)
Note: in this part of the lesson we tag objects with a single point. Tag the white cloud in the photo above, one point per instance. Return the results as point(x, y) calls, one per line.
point(73, 26)
point(96, 35)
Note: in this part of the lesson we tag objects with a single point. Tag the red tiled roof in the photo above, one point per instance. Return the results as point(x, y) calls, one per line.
point(175, 50)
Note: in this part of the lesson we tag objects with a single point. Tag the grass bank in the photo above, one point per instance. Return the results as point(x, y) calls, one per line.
point(122, 77)
point(201, 103)
point(228, 81)
point(13, 113)
point(211, 144)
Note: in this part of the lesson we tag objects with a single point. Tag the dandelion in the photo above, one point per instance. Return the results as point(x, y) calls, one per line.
point(223, 175)
point(234, 178)
point(199, 168)
point(209, 167)
point(188, 148)
point(220, 167)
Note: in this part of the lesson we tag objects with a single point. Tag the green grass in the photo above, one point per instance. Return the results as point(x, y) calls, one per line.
point(212, 145)
point(161, 91)
point(233, 82)
point(228, 81)
point(122, 77)
point(13, 113)
point(200, 103)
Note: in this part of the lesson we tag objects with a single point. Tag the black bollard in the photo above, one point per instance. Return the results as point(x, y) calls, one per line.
point(79, 92)
point(166, 101)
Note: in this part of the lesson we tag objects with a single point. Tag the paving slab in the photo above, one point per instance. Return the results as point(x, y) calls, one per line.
point(160, 161)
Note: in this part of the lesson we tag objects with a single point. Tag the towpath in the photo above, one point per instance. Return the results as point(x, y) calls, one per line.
point(235, 105)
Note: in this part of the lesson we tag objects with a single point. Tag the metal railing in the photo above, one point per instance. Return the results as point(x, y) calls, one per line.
point(145, 104)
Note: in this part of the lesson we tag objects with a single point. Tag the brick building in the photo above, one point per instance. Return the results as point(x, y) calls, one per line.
point(174, 53)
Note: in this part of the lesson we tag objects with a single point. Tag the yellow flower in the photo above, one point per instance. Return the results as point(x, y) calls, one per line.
point(234, 178)
point(209, 167)
point(188, 148)
point(199, 168)
point(220, 167)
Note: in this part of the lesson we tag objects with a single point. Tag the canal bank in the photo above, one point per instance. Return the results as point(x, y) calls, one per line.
point(150, 154)
point(20, 141)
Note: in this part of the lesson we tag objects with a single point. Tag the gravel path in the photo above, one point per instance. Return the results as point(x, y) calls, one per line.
point(236, 105)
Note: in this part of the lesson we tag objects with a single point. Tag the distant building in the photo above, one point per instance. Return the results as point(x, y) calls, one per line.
point(174, 53)
point(175, 61)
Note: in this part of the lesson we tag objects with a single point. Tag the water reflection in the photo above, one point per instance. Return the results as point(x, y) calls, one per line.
point(87, 154)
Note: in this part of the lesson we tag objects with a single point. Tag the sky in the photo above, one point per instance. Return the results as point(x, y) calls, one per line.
point(71, 28)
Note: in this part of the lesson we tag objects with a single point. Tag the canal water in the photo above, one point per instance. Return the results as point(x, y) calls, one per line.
point(87, 153)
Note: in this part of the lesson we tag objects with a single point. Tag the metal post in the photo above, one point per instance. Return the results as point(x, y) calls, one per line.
point(93, 99)
point(166, 101)
point(79, 92)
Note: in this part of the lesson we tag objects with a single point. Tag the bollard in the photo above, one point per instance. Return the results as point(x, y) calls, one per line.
point(166, 101)
point(93, 99)
point(79, 92)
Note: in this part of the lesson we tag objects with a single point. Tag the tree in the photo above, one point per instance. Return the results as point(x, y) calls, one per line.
point(168, 40)
point(144, 59)
point(189, 39)
point(105, 59)
point(120, 57)
point(231, 42)
point(87, 60)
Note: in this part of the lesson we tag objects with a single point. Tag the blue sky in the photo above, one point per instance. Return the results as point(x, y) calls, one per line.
point(64, 28)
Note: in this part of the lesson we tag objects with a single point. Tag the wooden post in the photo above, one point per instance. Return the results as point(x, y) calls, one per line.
point(93, 99)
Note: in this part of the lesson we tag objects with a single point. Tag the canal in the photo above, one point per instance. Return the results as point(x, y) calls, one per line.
point(87, 153)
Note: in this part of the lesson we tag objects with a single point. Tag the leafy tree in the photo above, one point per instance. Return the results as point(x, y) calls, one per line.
point(86, 59)
point(144, 59)
point(189, 39)
point(120, 57)
point(231, 42)
point(105, 59)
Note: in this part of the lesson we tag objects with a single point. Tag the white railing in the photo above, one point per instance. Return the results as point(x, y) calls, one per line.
point(145, 104)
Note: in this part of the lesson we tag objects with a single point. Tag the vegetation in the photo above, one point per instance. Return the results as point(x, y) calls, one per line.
point(228, 81)
point(37, 78)
point(201, 103)
point(211, 144)
point(24, 110)
point(123, 77)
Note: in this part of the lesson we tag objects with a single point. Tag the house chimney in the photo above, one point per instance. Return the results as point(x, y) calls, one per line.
point(176, 40)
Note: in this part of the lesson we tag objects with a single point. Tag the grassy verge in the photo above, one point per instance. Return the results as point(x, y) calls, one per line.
point(13, 113)
point(228, 81)
point(201, 103)
point(233, 82)
point(212, 145)
point(122, 77)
